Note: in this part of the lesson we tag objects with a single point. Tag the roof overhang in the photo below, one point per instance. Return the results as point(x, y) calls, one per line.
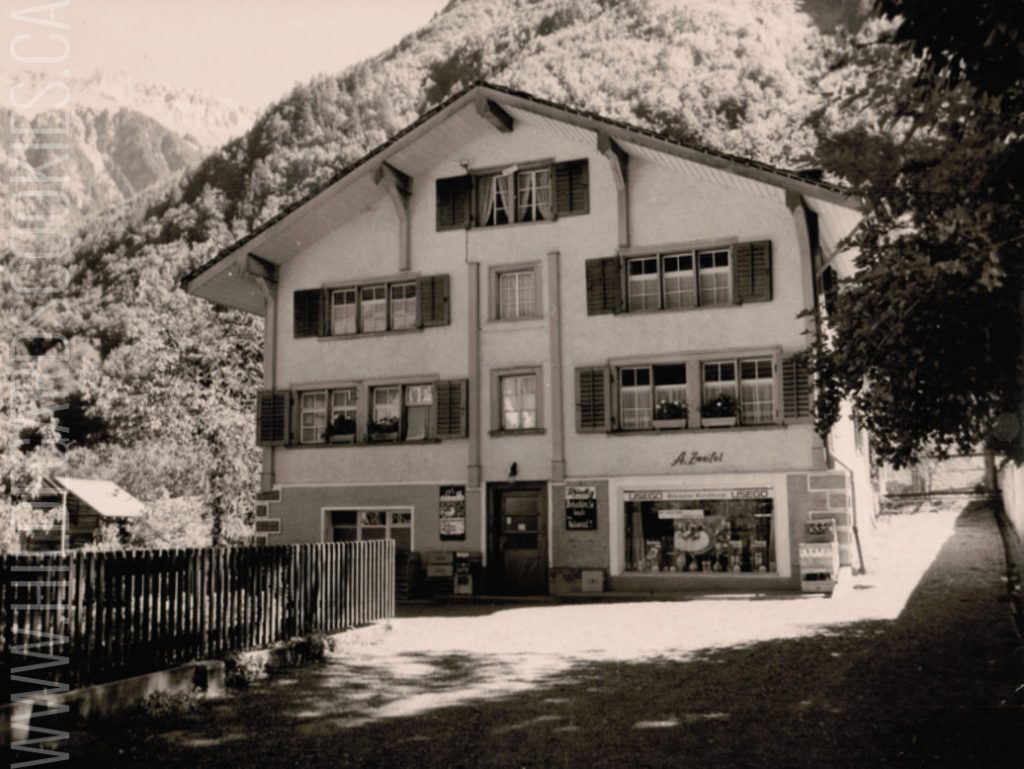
point(231, 280)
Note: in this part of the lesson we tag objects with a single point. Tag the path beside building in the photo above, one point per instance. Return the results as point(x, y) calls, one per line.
point(915, 666)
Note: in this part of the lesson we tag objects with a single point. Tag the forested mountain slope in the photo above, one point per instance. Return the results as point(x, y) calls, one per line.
point(166, 381)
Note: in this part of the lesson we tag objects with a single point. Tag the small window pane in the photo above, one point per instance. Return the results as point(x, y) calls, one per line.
point(374, 308)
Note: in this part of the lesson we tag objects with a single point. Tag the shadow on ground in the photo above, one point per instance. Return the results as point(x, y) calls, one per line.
point(934, 688)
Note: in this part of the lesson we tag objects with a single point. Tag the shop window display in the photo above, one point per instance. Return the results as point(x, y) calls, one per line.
point(699, 535)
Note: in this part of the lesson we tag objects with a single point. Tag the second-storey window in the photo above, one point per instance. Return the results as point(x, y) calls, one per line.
point(403, 305)
point(715, 277)
point(635, 398)
point(373, 308)
point(518, 402)
point(680, 281)
point(418, 400)
point(643, 284)
point(312, 416)
point(343, 311)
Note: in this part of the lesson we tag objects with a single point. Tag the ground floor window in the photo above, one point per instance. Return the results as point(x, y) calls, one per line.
point(360, 525)
point(711, 531)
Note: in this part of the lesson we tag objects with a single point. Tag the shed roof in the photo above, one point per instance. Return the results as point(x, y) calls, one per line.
point(105, 497)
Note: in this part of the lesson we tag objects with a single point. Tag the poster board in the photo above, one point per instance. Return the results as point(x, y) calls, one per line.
point(452, 512)
point(581, 508)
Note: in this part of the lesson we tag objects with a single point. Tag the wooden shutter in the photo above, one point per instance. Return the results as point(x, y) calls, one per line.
point(592, 400)
point(433, 298)
point(572, 188)
point(454, 198)
point(796, 388)
point(753, 271)
point(272, 417)
point(604, 286)
point(450, 412)
point(310, 316)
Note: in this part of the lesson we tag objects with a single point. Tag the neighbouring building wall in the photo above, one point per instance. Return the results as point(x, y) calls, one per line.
point(1011, 487)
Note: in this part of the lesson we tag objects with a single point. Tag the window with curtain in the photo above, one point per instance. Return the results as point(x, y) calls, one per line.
point(518, 402)
point(343, 311)
point(757, 395)
point(715, 277)
point(643, 283)
point(418, 400)
point(373, 301)
point(534, 193)
point(635, 398)
point(679, 280)
point(719, 379)
point(403, 305)
point(516, 294)
point(495, 203)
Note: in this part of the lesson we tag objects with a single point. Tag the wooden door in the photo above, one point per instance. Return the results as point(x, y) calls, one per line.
point(519, 539)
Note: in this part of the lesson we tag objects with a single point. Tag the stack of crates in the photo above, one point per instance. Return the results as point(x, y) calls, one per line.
point(819, 557)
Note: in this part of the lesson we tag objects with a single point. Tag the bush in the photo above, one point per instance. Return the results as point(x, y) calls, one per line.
point(244, 668)
point(168, 708)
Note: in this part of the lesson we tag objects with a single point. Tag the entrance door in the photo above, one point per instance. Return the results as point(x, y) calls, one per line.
point(518, 538)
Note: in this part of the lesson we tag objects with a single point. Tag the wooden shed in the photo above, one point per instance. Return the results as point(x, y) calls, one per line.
point(89, 504)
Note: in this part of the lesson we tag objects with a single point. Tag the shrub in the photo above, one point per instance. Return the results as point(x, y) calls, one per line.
point(244, 668)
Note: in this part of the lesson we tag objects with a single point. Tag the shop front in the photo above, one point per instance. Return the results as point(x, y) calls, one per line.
point(700, 534)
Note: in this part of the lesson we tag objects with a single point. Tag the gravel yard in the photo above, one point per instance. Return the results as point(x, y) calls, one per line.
point(914, 664)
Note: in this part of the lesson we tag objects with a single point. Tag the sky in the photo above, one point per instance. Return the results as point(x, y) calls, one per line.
point(251, 51)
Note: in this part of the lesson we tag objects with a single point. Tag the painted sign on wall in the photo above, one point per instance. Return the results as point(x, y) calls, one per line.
point(581, 508)
point(452, 510)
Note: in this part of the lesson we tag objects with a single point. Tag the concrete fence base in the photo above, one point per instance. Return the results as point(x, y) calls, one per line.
point(103, 700)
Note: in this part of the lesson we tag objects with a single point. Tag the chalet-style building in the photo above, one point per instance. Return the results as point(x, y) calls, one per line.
point(566, 346)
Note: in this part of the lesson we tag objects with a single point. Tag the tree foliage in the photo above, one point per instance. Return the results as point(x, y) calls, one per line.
point(926, 340)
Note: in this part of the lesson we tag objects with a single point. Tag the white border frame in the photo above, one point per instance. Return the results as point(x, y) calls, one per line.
point(411, 509)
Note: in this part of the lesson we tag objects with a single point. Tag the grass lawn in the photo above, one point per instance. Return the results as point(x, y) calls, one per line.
point(914, 666)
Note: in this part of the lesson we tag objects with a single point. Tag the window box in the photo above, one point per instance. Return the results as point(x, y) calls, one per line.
point(721, 411)
point(341, 430)
point(669, 415)
point(719, 421)
point(385, 431)
point(670, 424)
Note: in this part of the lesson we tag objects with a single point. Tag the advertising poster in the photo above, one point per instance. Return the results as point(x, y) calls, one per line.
point(581, 508)
point(453, 512)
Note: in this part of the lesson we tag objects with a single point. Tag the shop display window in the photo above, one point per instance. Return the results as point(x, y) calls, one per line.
point(700, 536)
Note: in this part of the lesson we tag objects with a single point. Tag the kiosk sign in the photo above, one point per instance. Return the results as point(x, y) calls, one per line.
point(452, 509)
point(580, 508)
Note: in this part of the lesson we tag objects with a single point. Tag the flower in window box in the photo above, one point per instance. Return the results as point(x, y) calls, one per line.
point(669, 414)
point(384, 429)
point(720, 411)
point(341, 430)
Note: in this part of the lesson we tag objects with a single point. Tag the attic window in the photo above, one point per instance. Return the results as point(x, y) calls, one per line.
point(542, 192)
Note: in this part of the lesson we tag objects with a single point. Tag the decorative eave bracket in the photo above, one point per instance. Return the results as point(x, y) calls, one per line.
point(618, 161)
point(494, 114)
point(399, 189)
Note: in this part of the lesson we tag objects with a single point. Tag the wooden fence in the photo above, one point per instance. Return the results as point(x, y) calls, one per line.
point(117, 614)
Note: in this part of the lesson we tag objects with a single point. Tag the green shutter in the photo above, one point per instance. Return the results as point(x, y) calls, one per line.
point(572, 188)
point(309, 313)
point(454, 196)
point(433, 298)
point(796, 388)
point(753, 271)
point(450, 412)
point(272, 417)
point(604, 285)
point(592, 400)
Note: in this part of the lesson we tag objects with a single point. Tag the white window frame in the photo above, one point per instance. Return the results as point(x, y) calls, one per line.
point(497, 401)
point(759, 402)
point(645, 390)
point(644, 280)
point(518, 395)
point(319, 426)
point(376, 303)
point(426, 400)
point(526, 194)
point(353, 291)
point(711, 390)
point(408, 302)
point(719, 284)
point(678, 277)
point(515, 285)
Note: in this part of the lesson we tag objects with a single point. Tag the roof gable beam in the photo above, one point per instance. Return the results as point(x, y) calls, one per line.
point(493, 113)
point(618, 161)
point(399, 188)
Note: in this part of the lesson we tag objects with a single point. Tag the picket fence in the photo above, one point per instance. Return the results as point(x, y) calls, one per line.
point(118, 614)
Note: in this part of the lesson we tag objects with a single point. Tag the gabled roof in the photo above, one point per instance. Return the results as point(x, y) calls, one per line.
point(105, 497)
point(637, 139)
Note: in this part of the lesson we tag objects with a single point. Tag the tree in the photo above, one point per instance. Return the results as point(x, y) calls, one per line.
point(926, 339)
